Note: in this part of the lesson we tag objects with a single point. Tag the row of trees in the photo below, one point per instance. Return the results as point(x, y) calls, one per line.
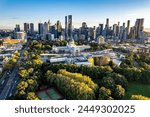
point(28, 85)
point(80, 78)
point(71, 88)
point(94, 72)
point(12, 61)
point(30, 77)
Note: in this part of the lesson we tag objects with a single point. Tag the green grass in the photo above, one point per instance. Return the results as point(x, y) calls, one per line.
point(137, 89)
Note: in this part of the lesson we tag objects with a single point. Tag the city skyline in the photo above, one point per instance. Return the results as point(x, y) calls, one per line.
point(92, 12)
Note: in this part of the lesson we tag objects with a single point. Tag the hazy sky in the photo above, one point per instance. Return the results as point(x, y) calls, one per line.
point(91, 11)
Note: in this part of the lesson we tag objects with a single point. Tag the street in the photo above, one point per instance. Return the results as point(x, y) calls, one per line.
point(9, 82)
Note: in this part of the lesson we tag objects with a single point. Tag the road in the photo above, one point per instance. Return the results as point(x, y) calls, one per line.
point(9, 82)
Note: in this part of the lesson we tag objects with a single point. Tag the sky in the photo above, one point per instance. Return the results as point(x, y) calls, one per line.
point(93, 12)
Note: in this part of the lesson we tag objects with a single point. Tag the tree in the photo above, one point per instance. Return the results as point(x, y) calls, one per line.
point(8, 66)
point(26, 53)
point(22, 85)
point(91, 60)
point(119, 79)
point(33, 85)
point(101, 61)
point(17, 54)
point(139, 97)
point(119, 92)
point(23, 73)
point(104, 94)
point(32, 96)
point(108, 82)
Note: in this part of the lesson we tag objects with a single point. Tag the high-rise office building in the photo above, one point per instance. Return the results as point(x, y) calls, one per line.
point(118, 29)
point(124, 32)
point(84, 30)
point(26, 27)
point(66, 27)
point(49, 25)
point(40, 28)
point(59, 29)
point(107, 22)
point(128, 27)
point(31, 28)
point(139, 27)
point(124, 25)
point(115, 30)
point(17, 28)
point(132, 34)
point(99, 30)
point(45, 28)
point(94, 32)
point(107, 27)
point(70, 26)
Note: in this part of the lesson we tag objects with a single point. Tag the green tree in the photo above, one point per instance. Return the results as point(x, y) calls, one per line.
point(108, 82)
point(23, 73)
point(119, 92)
point(32, 96)
point(104, 94)
point(139, 97)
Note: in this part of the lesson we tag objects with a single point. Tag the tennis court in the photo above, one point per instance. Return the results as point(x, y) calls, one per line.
point(50, 94)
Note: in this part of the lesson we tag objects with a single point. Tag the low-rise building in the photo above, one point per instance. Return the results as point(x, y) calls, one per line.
point(70, 48)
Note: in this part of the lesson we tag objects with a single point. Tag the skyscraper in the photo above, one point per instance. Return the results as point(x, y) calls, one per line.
point(70, 26)
point(59, 28)
point(139, 27)
point(99, 30)
point(45, 28)
point(115, 30)
point(107, 27)
point(107, 22)
point(31, 28)
point(49, 25)
point(40, 28)
point(118, 29)
point(26, 27)
point(124, 34)
point(128, 27)
point(17, 28)
point(84, 30)
point(66, 27)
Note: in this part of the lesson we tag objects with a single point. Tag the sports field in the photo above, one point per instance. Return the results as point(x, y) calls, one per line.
point(50, 94)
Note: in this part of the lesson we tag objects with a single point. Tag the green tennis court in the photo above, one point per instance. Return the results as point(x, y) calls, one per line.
point(50, 94)
point(43, 95)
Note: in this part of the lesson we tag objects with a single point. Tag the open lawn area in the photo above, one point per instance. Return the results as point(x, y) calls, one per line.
point(137, 89)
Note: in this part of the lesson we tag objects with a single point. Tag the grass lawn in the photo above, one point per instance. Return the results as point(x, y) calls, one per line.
point(137, 89)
